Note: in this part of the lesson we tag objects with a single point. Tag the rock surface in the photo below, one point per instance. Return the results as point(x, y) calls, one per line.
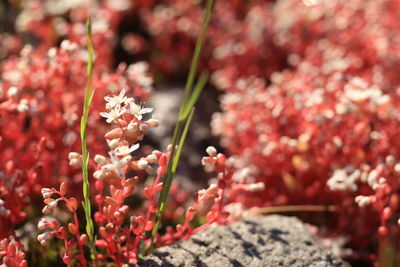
point(256, 241)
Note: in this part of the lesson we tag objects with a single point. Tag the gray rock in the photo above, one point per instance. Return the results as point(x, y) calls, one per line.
point(256, 241)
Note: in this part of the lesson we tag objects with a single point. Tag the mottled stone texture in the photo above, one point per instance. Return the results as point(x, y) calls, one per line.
point(255, 241)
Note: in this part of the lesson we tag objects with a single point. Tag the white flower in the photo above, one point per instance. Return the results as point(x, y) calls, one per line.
point(44, 223)
point(136, 110)
point(112, 115)
point(116, 164)
point(125, 150)
point(362, 201)
point(115, 101)
point(340, 180)
point(47, 193)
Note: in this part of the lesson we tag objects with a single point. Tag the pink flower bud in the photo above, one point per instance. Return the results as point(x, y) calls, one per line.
point(162, 161)
point(147, 193)
point(149, 226)
point(383, 231)
point(387, 213)
point(63, 188)
point(153, 123)
point(190, 213)
point(101, 243)
point(72, 204)
point(83, 239)
point(114, 134)
point(179, 228)
point(72, 228)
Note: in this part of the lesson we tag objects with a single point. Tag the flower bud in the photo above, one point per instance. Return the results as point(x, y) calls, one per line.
point(72, 228)
point(256, 187)
point(113, 143)
point(99, 159)
point(100, 175)
point(162, 161)
point(211, 151)
point(152, 158)
point(44, 238)
point(132, 127)
point(47, 193)
point(47, 209)
point(114, 134)
point(76, 163)
point(153, 123)
point(12, 92)
point(83, 239)
point(107, 167)
point(42, 224)
point(63, 188)
point(73, 155)
point(142, 164)
point(179, 228)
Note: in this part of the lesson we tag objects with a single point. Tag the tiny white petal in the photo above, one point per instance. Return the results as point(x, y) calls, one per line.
point(146, 110)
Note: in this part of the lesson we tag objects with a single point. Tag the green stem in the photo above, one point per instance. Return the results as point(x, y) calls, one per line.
point(85, 155)
point(293, 208)
point(197, 52)
point(188, 102)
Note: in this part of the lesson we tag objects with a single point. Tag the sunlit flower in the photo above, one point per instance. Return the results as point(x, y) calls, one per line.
point(125, 150)
point(137, 111)
point(115, 101)
point(116, 164)
point(112, 115)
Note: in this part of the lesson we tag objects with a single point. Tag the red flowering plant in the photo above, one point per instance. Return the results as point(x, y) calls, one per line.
point(121, 240)
point(309, 114)
point(46, 23)
point(238, 35)
point(323, 120)
point(314, 130)
point(117, 177)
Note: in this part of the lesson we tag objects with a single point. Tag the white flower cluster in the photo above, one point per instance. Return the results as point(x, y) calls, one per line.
point(120, 104)
point(127, 115)
point(340, 180)
point(357, 90)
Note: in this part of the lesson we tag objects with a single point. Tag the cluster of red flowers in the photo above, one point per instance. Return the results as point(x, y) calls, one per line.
point(310, 103)
point(310, 114)
point(117, 177)
point(329, 121)
point(41, 97)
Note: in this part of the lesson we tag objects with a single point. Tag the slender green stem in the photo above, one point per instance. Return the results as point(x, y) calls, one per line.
point(85, 155)
point(293, 208)
point(182, 141)
point(197, 52)
point(186, 112)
